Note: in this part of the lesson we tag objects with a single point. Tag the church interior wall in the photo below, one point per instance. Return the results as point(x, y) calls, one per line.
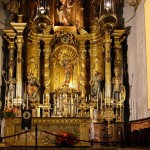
point(136, 56)
point(147, 29)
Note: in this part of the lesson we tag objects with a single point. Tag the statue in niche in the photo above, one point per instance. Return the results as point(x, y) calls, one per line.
point(67, 65)
point(11, 90)
point(13, 7)
point(96, 84)
point(95, 6)
point(63, 10)
point(116, 81)
point(32, 87)
point(33, 9)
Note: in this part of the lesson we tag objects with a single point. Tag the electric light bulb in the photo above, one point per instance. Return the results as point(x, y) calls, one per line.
point(108, 4)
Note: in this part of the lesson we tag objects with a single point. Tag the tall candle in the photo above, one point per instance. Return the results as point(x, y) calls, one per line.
point(43, 99)
point(8, 100)
point(97, 102)
point(120, 108)
point(43, 105)
point(48, 98)
point(77, 98)
point(66, 98)
point(27, 101)
point(101, 99)
point(59, 100)
point(54, 98)
point(71, 99)
point(12, 100)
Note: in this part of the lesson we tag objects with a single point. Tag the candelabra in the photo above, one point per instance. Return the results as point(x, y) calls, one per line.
point(114, 95)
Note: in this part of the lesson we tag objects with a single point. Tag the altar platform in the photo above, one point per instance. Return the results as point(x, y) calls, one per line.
point(45, 128)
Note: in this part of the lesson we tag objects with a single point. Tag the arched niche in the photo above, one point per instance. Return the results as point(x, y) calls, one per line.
point(64, 67)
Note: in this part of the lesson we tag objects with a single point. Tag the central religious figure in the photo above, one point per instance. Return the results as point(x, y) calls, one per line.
point(67, 65)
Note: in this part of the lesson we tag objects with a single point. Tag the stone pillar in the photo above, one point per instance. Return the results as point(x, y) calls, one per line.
point(19, 75)
point(19, 27)
point(117, 80)
point(10, 89)
point(11, 62)
point(47, 51)
point(107, 45)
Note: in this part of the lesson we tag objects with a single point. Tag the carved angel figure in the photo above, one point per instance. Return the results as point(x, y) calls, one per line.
point(63, 11)
point(13, 6)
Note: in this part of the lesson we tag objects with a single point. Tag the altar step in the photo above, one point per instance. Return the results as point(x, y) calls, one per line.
point(83, 148)
point(57, 148)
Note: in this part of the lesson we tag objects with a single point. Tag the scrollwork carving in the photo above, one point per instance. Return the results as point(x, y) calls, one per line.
point(65, 38)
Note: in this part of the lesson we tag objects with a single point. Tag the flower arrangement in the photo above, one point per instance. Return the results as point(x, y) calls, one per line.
point(65, 139)
point(8, 112)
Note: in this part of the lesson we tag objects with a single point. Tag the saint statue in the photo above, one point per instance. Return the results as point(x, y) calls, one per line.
point(116, 81)
point(13, 8)
point(96, 84)
point(67, 70)
point(67, 66)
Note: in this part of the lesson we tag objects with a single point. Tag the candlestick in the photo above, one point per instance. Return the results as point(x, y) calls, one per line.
point(97, 102)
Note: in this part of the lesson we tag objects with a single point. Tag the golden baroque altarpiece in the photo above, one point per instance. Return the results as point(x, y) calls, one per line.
point(60, 70)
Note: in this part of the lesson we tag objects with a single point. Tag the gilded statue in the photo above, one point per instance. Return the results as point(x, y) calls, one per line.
point(67, 66)
point(32, 87)
point(116, 81)
point(13, 8)
point(96, 84)
point(83, 107)
point(33, 9)
point(63, 11)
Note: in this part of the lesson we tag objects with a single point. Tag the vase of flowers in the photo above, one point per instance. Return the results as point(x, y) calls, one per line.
point(65, 139)
point(8, 112)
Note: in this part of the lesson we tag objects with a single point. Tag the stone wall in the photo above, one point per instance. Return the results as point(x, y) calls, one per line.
point(2, 26)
